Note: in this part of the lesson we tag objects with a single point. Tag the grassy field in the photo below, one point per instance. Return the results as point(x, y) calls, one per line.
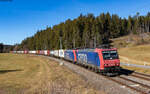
point(134, 48)
point(28, 74)
point(137, 54)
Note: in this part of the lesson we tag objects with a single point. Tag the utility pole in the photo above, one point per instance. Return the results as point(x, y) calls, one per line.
point(60, 42)
point(60, 39)
point(95, 42)
point(74, 43)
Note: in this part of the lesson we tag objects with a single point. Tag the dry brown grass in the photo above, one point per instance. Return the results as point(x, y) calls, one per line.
point(131, 40)
point(136, 55)
point(28, 74)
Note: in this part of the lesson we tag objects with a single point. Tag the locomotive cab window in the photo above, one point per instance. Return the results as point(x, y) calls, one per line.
point(108, 55)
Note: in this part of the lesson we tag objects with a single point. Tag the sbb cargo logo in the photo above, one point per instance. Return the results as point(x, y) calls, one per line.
point(82, 58)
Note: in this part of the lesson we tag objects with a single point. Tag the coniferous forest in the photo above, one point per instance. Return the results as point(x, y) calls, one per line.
point(86, 31)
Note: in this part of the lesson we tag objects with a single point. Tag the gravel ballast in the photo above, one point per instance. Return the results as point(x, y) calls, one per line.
point(97, 81)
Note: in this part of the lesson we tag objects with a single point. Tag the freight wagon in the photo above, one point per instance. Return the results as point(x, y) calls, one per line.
point(47, 52)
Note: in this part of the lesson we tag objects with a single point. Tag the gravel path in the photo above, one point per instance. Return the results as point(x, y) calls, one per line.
point(96, 80)
point(135, 65)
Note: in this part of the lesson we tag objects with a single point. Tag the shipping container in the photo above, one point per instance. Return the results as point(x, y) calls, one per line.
point(56, 53)
point(61, 53)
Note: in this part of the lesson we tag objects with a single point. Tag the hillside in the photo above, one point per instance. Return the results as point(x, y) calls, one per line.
point(136, 54)
point(134, 49)
point(131, 40)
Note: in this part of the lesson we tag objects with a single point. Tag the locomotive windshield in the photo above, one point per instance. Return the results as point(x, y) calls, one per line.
point(108, 55)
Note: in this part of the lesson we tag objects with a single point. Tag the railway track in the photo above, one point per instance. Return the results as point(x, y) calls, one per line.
point(141, 77)
point(141, 88)
point(128, 85)
point(142, 74)
point(143, 85)
point(144, 89)
point(137, 75)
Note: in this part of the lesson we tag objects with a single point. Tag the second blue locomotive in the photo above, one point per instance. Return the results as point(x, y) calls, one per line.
point(105, 61)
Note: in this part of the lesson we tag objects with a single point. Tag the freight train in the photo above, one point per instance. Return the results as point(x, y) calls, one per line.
point(103, 60)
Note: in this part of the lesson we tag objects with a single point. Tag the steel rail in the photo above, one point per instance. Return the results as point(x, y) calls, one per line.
point(147, 79)
point(146, 75)
point(135, 89)
point(143, 85)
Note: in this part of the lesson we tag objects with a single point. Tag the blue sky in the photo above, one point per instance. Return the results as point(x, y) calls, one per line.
point(22, 18)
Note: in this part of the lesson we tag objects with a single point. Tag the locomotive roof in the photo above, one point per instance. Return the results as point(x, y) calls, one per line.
point(93, 49)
